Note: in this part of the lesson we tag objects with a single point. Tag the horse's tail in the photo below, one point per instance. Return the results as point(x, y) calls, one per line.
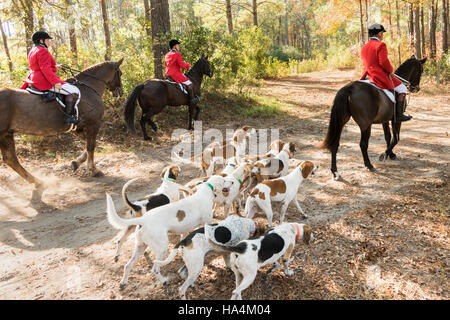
point(131, 106)
point(339, 116)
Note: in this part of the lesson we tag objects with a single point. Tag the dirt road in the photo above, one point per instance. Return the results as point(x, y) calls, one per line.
point(382, 235)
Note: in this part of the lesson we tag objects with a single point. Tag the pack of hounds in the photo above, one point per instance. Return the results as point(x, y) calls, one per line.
point(259, 181)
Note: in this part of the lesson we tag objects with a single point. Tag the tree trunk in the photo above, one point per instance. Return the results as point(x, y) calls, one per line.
point(70, 19)
point(433, 18)
point(417, 46)
point(255, 12)
point(422, 33)
point(28, 22)
point(160, 24)
point(147, 18)
point(286, 23)
point(361, 24)
point(411, 26)
point(445, 26)
point(398, 32)
point(229, 16)
point(367, 21)
point(106, 30)
point(5, 45)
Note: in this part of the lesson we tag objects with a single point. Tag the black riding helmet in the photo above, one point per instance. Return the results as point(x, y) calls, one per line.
point(173, 42)
point(375, 28)
point(40, 35)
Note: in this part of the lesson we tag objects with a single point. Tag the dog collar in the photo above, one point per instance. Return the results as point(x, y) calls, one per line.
point(209, 185)
point(289, 155)
point(298, 232)
point(170, 179)
point(239, 180)
point(232, 165)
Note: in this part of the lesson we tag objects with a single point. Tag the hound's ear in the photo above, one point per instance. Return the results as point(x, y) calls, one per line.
point(423, 60)
point(163, 173)
point(119, 62)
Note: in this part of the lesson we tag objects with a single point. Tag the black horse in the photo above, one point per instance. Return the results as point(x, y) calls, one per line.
point(368, 105)
point(153, 95)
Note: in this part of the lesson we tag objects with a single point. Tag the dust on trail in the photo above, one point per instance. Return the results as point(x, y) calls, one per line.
point(66, 250)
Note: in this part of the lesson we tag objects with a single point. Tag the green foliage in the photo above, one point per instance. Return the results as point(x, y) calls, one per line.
point(438, 68)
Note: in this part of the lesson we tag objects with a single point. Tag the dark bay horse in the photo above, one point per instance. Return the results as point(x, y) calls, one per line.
point(153, 95)
point(367, 105)
point(26, 113)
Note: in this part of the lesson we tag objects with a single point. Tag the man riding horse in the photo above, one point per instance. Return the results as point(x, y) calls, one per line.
point(43, 75)
point(174, 62)
point(378, 69)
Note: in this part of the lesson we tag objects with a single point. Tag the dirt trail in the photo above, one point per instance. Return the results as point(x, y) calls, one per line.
point(379, 235)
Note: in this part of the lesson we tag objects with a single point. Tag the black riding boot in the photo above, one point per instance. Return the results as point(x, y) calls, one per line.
point(68, 110)
point(193, 99)
point(399, 109)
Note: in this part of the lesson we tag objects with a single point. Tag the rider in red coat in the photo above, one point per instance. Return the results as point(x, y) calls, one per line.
point(174, 63)
point(378, 69)
point(43, 75)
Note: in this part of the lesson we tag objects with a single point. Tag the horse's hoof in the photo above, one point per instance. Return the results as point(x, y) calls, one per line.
point(382, 157)
point(371, 169)
point(74, 165)
point(336, 176)
point(122, 286)
point(147, 139)
point(392, 156)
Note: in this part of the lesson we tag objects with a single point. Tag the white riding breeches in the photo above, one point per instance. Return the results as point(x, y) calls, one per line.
point(401, 88)
point(67, 89)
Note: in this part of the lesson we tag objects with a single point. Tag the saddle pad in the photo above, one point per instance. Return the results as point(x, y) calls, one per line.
point(43, 93)
point(179, 85)
point(386, 91)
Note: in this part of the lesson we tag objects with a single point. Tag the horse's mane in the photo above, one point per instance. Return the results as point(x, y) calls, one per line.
point(194, 68)
point(94, 67)
point(405, 66)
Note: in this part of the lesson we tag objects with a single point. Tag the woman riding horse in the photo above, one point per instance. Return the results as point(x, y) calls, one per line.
point(378, 69)
point(43, 75)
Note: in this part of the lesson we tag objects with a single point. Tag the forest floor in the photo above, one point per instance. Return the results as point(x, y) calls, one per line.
point(382, 235)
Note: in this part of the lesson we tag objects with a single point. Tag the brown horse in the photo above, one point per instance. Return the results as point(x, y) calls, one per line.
point(153, 95)
point(368, 105)
point(26, 113)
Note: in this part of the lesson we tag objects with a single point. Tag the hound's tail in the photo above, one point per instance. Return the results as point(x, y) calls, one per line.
point(129, 204)
point(169, 259)
point(114, 219)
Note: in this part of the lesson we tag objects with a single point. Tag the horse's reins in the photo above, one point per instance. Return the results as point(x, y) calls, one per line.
point(66, 68)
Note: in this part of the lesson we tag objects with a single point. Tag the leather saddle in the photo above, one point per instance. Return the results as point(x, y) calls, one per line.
point(46, 95)
point(179, 85)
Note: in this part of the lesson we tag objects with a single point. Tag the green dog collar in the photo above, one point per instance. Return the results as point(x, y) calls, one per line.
point(209, 185)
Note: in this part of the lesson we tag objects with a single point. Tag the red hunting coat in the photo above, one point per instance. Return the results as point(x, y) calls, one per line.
point(376, 64)
point(43, 69)
point(174, 63)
